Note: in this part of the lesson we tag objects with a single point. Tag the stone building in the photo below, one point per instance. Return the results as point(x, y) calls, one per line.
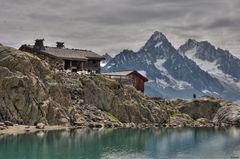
point(65, 58)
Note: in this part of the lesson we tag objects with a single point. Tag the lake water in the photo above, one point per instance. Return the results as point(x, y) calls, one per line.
point(201, 143)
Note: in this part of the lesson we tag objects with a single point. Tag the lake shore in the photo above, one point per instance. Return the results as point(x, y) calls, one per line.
point(22, 129)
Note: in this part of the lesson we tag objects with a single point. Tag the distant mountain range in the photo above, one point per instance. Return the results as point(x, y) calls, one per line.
point(196, 67)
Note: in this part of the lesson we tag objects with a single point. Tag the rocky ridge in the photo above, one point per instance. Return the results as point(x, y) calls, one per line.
point(31, 94)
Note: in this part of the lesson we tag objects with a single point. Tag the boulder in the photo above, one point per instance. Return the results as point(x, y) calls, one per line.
point(203, 122)
point(79, 124)
point(108, 124)
point(8, 123)
point(117, 125)
point(96, 125)
point(3, 127)
point(200, 108)
point(40, 126)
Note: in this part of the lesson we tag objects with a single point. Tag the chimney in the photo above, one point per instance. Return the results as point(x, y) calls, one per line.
point(60, 45)
point(39, 44)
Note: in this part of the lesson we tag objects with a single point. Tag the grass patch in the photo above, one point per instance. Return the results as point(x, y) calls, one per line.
point(112, 117)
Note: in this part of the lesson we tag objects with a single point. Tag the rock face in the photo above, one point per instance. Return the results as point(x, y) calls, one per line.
point(29, 92)
point(200, 108)
point(228, 115)
point(208, 111)
point(123, 103)
point(181, 120)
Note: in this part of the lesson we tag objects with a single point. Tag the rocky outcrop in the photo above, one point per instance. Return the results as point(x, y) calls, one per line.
point(209, 111)
point(29, 92)
point(229, 115)
point(200, 108)
point(181, 120)
point(124, 103)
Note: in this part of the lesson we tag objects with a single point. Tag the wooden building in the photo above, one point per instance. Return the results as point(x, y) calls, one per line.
point(133, 78)
point(64, 58)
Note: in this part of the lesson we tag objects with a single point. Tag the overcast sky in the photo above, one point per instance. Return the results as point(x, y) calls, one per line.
point(113, 25)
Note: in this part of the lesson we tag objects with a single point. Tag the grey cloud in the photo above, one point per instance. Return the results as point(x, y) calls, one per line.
point(225, 23)
point(112, 25)
point(131, 16)
point(44, 17)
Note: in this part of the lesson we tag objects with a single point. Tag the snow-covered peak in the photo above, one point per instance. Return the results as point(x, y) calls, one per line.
point(203, 49)
point(157, 41)
point(206, 55)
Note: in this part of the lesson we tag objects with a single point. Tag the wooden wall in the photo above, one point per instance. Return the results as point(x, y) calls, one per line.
point(138, 82)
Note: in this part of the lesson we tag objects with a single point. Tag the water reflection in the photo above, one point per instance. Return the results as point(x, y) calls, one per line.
point(124, 143)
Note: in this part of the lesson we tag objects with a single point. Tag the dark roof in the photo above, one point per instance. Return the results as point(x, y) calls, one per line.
point(126, 73)
point(68, 54)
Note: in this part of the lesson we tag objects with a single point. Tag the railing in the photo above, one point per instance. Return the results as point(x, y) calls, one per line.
point(121, 79)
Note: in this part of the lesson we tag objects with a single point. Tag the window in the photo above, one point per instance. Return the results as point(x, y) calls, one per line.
point(74, 63)
point(66, 64)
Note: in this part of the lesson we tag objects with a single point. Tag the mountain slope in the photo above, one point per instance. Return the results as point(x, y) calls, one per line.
point(170, 74)
point(218, 63)
point(107, 59)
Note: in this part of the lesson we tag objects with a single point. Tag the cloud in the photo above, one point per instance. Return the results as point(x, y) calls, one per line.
point(224, 23)
point(112, 25)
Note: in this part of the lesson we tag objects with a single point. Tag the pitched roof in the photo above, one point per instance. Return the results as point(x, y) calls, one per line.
point(68, 54)
point(126, 73)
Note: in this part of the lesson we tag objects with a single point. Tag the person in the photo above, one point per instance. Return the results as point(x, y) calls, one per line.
point(194, 96)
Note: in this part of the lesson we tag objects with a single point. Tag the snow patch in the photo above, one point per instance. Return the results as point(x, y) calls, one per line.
point(173, 83)
point(142, 72)
point(206, 91)
point(162, 83)
point(111, 65)
point(158, 44)
point(159, 65)
point(102, 64)
point(148, 62)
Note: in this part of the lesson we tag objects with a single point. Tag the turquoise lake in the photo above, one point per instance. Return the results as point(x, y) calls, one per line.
point(195, 143)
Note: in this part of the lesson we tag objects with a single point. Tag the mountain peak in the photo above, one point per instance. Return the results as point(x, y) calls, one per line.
point(191, 42)
point(106, 55)
point(158, 36)
point(156, 40)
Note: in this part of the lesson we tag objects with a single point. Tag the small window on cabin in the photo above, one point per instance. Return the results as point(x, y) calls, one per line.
point(67, 64)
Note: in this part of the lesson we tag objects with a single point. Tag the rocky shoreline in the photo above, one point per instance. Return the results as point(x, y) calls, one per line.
point(26, 129)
